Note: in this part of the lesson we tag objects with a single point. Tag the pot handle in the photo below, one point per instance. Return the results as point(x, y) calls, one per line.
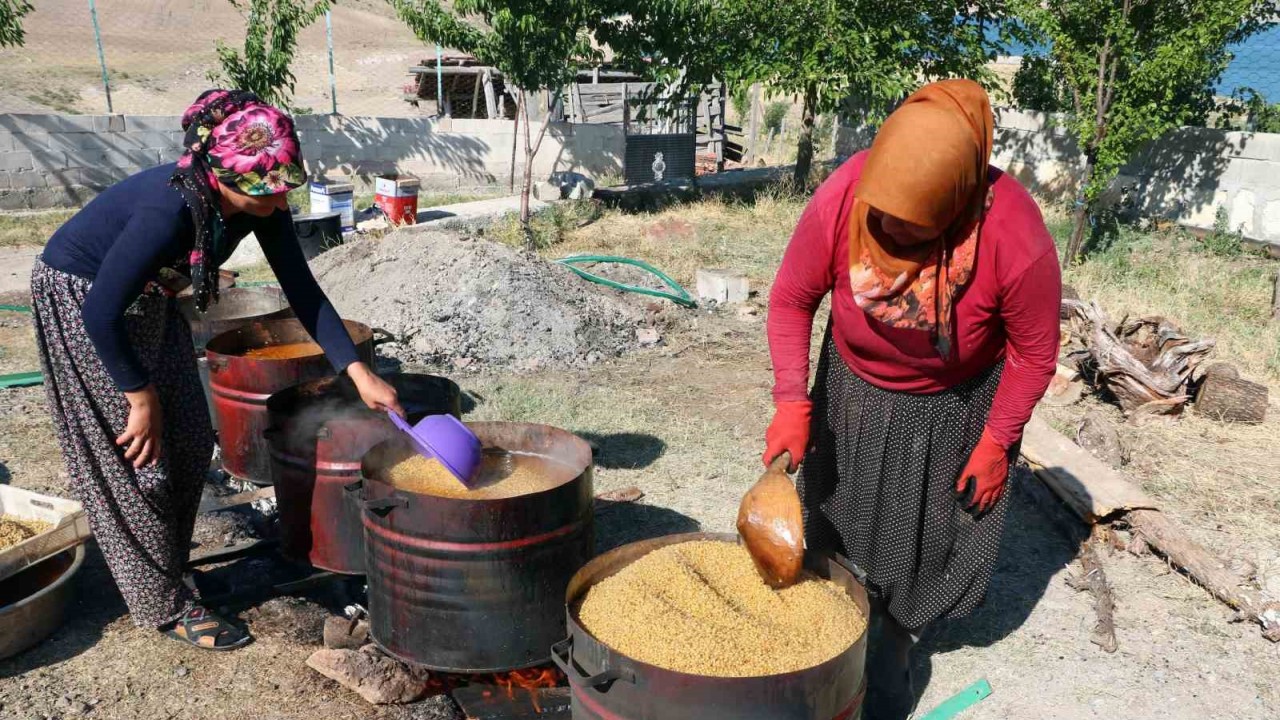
point(382, 336)
point(382, 507)
point(562, 655)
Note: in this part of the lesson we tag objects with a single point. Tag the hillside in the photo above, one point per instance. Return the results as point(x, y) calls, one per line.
point(159, 52)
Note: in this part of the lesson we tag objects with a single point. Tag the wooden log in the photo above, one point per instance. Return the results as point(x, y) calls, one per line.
point(1225, 369)
point(1206, 570)
point(1096, 492)
point(226, 502)
point(1093, 579)
point(1229, 399)
point(1091, 489)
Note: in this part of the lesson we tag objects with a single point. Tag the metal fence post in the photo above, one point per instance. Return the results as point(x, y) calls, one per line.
point(333, 79)
point(102, 58)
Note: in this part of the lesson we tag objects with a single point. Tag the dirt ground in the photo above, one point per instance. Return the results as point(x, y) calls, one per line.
point(682, 421)
point(159, 52)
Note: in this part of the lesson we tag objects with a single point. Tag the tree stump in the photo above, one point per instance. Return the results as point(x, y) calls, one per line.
point(1223, 369)
point(1068, 293)
point(1231, 399)
point(1097, 435)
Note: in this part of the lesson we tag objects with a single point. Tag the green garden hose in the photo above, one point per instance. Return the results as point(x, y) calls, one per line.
point(679, 296)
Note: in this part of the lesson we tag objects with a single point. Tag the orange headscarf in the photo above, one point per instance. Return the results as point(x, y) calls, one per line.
point(927, 166)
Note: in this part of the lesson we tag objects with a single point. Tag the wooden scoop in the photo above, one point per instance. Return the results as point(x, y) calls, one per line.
point(771, 525)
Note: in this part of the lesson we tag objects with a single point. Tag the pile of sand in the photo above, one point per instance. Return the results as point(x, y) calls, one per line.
point(457, 301)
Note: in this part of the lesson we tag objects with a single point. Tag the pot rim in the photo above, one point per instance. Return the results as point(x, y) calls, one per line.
point(578, 587)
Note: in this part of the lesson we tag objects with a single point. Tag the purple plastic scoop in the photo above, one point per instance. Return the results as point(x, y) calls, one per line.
point(446, 439)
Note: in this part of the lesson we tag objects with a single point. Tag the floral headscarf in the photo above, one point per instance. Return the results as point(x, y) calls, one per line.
point(235, 140)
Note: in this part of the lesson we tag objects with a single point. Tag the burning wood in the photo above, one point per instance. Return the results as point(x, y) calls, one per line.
point(1145, 362)
point(479, 702)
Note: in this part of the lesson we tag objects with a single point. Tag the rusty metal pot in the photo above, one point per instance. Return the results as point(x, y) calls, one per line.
point(241, 385)
point(236, 307)
point(319, 432)
point(607, 684)
point(476, 585)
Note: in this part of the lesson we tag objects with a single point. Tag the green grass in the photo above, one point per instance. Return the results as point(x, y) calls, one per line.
point(31, 228)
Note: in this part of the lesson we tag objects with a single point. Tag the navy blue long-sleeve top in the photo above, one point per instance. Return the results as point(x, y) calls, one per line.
point(122, 239)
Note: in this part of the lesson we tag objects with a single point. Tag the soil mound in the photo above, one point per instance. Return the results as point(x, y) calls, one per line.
point(451, 300)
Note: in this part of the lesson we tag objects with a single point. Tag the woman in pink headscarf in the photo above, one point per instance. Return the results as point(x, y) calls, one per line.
point(121, 379)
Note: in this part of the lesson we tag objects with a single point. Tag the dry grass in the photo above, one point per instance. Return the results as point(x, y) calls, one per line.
point(30, 228)
point(748, 237)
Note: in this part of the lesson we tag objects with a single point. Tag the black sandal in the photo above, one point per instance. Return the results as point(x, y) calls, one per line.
point(205, 630)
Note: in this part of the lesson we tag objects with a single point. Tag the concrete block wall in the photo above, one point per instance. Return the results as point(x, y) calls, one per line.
point(63, 160)
point(1184, 176)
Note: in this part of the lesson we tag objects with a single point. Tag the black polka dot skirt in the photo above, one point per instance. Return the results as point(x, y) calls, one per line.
point(878, 487)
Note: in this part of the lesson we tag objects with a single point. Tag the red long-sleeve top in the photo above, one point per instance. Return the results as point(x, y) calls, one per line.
point(1008, 311)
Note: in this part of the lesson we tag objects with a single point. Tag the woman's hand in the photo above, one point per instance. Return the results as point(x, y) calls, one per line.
point(374, 391)
point(141, 438)
point(988, 470)
point(788, 432)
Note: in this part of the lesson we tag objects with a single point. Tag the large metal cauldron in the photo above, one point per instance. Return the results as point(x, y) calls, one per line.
point(240, 386)
point(476, 585)
point(236, 307)
point(608, 685)
point(320, 431)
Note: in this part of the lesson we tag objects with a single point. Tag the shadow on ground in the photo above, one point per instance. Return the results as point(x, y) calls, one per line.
point(620, 523)
point(1032, 551)
point(625, 451)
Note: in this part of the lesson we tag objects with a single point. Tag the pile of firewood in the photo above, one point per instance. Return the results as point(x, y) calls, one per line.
point(1150, 367)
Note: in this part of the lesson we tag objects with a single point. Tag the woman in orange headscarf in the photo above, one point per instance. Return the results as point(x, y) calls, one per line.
point(944, 289)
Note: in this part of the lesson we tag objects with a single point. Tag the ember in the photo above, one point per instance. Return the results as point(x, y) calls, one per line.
point(520, 695)
point(506, 694)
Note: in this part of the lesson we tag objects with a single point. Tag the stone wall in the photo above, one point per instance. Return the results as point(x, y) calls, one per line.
point(63, 160)
point(1185, 176)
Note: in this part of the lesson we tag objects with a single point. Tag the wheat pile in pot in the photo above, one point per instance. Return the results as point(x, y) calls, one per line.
point(456, 302)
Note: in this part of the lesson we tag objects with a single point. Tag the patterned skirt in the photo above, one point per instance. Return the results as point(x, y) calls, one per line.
point(142, 519)
point(878, 487)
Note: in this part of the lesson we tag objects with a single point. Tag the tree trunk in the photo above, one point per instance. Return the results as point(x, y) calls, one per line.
point(804, 151)
point(1081, 219)
point(530, 151)
point(1079, 223)
point(528, 175)
point(515, 142)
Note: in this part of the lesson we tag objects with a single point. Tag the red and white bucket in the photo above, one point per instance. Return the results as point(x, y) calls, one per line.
point(397, 197)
